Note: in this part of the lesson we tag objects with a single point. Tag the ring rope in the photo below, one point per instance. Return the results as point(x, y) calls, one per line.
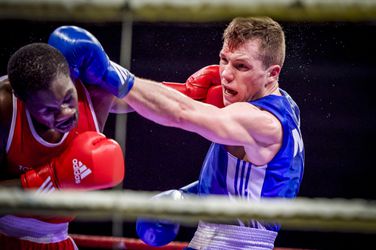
point(192, 11)
point(301, 213)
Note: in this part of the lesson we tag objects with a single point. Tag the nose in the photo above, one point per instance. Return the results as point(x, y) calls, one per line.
point(227, 74)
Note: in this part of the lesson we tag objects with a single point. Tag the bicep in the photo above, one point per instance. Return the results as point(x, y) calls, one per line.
point(239, 124)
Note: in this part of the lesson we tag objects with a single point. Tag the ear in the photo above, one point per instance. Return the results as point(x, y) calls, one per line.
point(273, 73)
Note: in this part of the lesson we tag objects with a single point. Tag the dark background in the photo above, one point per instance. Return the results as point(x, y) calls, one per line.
point(329, 71)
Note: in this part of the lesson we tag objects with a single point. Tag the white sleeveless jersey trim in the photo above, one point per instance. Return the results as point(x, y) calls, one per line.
point(243, 179)
point(39, 138)
point(210, 236)
point(88, 98)
point(74, 243)
point(33, 230)
point(13, 123)
point(49, 144)
point(31, 126)
point(257, 181)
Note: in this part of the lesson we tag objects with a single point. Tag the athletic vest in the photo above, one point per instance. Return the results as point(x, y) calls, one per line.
point(224, 174)
point(26, 149)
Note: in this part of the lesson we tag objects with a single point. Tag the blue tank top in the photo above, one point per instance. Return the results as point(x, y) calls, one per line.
point(224, 174)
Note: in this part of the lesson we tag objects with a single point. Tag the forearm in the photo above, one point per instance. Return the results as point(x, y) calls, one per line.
point(169, 107)
point(159, 103)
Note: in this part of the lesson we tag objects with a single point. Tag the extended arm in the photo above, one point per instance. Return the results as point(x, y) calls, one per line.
point(239, 124)
point(204, 85)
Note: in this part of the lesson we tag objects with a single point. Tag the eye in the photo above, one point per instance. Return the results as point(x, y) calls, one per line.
point(242, 67)
point(223, 60)
point(47, 111)
point(68, 99)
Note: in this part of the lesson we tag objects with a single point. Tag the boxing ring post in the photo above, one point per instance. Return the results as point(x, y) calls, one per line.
point(121, 119)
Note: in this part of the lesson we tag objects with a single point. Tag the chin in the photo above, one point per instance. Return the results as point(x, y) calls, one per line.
point(64, 129)
point(226, 103)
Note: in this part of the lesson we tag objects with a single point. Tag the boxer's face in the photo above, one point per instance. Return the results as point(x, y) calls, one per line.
point(56, 107)
point(243, 75)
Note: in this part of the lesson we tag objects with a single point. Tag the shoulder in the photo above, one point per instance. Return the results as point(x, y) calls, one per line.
point(102, 102)
point(6, 105)
point(6, 109)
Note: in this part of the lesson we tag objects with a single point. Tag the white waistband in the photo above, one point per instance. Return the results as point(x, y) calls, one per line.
point(220, 236)
point(32, 229)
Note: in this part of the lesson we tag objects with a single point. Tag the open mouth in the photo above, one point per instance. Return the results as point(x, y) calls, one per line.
point(67, 124)
point(229, 92)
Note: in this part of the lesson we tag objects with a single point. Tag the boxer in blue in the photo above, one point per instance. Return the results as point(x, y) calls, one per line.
point(257, 150)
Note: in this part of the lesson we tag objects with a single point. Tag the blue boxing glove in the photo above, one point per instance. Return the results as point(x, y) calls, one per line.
point(89, 62)
point(161, 232)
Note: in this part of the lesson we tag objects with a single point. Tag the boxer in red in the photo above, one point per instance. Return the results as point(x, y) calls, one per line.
point(50, 139)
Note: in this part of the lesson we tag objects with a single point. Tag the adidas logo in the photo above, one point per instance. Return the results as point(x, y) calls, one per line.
point(46, 187)
point(80, 171)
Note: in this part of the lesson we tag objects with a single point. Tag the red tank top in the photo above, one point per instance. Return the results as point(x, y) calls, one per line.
point(27, 150)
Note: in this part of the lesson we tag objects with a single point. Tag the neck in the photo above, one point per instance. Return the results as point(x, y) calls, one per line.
point(273, 89)
point(270, 89)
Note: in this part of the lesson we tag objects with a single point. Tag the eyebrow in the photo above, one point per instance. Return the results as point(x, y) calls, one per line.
point(236, 60)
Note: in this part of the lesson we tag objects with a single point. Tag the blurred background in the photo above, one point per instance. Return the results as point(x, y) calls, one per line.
point(329, 70)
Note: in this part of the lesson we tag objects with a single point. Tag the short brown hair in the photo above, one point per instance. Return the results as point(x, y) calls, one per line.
point(268, 31)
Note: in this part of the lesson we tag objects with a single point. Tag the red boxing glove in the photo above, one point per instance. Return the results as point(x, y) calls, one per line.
point(204, 85)
point(215, 96)
point(90, 162)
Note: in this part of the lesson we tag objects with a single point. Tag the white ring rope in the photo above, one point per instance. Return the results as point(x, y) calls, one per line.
point(313, 214)
point(191, 10)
